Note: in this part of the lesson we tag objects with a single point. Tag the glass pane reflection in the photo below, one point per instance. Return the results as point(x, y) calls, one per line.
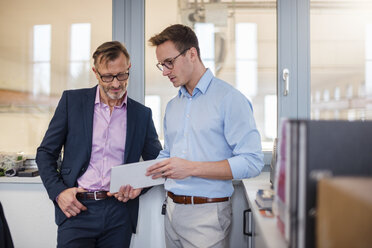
point(237, 42)
point(46, 49)
point(341, 57)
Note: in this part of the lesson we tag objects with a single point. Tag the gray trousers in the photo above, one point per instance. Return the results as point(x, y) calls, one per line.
point(199, 225)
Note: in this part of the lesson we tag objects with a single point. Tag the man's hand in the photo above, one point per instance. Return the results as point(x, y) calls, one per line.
point(175, 168)
point(126, 193)
point(68, 203)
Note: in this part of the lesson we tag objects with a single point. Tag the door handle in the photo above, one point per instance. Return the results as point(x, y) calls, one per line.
point(286, 81)
point(249, 233)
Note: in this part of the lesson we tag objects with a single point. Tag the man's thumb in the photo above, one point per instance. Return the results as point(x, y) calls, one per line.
point(81, 190)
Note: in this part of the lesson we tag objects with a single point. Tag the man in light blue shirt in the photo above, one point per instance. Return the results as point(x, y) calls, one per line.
point(210, 137)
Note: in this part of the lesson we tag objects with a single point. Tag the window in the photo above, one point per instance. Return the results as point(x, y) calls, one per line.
point(205, 33)
point(237, 42)
point(337, 94)
point(341, 59)
point(44, 51)
point(270, 116)
point(41, 58)
point(368, 56)
point(80, 54)
point(154, 102)
point(246, 58)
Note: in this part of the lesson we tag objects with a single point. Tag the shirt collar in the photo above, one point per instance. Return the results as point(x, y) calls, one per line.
point(98, 99)
point(202, 85)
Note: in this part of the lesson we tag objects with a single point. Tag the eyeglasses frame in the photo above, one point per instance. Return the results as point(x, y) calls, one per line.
point(113, 76)
point(161, 66)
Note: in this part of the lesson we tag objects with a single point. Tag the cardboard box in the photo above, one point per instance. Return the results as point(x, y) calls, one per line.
point(344, 212)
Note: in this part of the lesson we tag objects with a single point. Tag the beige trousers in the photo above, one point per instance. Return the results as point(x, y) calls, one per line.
point(198, 226)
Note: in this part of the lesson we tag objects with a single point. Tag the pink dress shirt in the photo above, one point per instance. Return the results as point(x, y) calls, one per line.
point(108, 144)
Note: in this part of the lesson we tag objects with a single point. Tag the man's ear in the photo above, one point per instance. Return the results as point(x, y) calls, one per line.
point(95, 72)
point(194, 54)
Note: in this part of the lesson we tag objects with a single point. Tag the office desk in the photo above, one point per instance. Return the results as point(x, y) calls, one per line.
point(266, 233)
point(30, 215)
point(29, 212)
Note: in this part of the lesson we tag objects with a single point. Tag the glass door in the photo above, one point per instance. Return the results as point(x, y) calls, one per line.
point(341, 60)
point(237, 42)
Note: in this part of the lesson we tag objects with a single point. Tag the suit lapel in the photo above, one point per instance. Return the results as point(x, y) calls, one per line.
point(88, 109)
point(131, 123)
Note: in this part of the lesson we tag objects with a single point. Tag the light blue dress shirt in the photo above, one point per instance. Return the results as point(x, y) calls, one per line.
point(214, 124)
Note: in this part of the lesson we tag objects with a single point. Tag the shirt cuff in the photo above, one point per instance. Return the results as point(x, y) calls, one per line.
point(242, 168)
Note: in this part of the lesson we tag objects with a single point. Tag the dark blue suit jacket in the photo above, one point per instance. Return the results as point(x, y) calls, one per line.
point(71, 128)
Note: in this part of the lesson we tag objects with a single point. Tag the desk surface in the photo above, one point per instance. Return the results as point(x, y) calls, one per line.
point(270, 233)
point(20, 180)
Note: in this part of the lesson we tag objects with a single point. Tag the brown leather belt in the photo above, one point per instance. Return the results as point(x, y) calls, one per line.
point(95, 195)
point(183, 199)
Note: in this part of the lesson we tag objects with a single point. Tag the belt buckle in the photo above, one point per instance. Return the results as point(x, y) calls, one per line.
point(95, 196)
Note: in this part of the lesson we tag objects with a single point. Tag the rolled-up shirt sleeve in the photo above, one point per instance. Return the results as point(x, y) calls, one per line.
point(242, 136)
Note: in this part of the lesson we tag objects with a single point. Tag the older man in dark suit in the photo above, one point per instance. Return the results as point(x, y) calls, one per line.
point(97, 128)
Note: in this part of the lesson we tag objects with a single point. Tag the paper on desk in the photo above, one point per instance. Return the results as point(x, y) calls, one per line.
point(134, 175)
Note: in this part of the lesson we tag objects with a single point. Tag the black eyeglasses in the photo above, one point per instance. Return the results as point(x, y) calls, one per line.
point(110, 78)
point(169, 63)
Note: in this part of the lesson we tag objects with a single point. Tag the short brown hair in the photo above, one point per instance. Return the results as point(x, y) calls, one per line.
point(182, 36)
point(109, 51)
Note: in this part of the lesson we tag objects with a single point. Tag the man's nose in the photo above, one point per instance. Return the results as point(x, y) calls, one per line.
point(115, 83)
point(166, 71)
